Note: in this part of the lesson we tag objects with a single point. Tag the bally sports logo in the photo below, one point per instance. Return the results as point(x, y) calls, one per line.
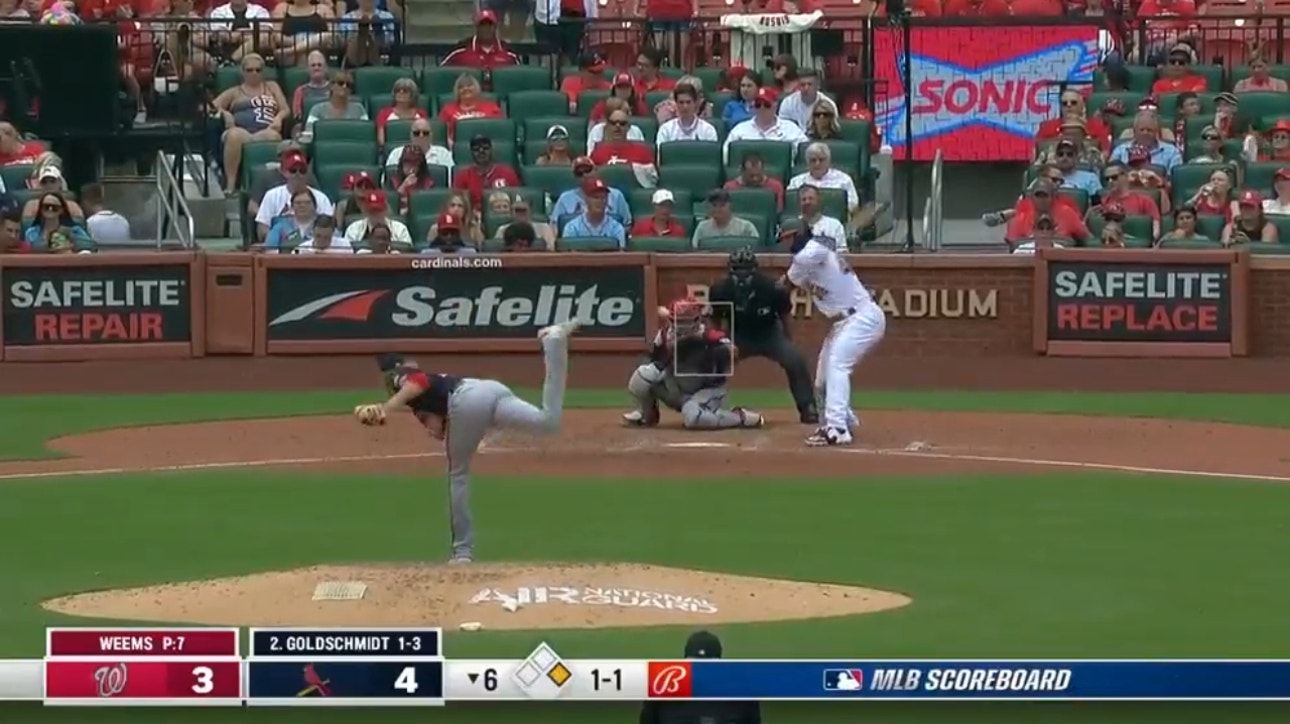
point(670, 680)
point(70, 305)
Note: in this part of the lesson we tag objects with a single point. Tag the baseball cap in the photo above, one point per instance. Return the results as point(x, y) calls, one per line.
point(1210, 130)
point(1066, 143)
point(583, 162)
point(623, 79)
point(663, 196)
point(519, 202)
point(703, 645)
point(765, 95)
point(595, 186)
point(557, 132)
point(357, 180)
point(486, 16)
point(592, 62)
point(51, 173)
point(373, 200)
point(448, 222)
point(1042, 187)
point(1227, 97)
point(719, 196)
point(1282, 174)
point(1250, 197)
point(481, 141)
point(1184, 50)
point(289, 145)
point(294, 161)
point(1074, 122)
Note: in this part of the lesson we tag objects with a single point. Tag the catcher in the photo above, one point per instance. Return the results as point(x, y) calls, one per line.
point(687, 370)
point(461, 410)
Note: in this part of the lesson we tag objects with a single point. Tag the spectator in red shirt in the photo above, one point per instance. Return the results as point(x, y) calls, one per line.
point(484, 173)
point(1066, 218)
point(617, 148)
point(1176, 75)
point(590, 77)
point(484, 50)
point(649, 76)
point(1037, 8)
point(406, 106)
point(624, 88)
point(976, 8)
point(752, 175)
point(1120, 191)
point(1073, 103)
point(467, 103)
point(11, 241)
point(14, 150)
point(661, 222)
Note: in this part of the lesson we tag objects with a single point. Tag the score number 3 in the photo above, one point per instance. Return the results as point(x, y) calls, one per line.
point(205, 680)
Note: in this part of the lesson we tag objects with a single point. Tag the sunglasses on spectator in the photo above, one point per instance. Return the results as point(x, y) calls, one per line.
point(1179, 61)
point(51, 207)
point(252, 68)
point(761, 104)
point(1113, 176)
point(421, 133)
point(1209, 137)
point(1070, 103)
point(618, 123)
point(340, 83)
point(1065, 154)
point(823, 114)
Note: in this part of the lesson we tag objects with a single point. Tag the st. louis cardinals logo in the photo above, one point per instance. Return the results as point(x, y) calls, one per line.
point(111, 679)
point(670, 680)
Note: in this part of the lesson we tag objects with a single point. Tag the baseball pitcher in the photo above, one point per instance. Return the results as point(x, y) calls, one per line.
point(858, 325)
point(461, 410)
point(757, 311)
point(688, 368)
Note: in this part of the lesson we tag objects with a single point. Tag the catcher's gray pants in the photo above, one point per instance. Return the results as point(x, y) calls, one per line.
point(700, 410)
point(478, 406)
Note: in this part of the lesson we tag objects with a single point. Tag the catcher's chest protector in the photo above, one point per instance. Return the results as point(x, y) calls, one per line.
point(701, 363)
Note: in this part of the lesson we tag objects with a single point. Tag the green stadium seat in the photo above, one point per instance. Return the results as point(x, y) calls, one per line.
point(1187, 179)
point(1213, 75)
point(1130, 99)
point(710, 76)
point(330, 175)
point(777, 155)
point(697, 179)
point(571, 70)
point(499, 129)
point(291, 78)
point(1137, 227)
point(15, 176)
point(1141, 77)
point(347, 131)
point(400, 132)
point(589, 243)
point(553, 180)
point(619, 175)
point(509, 80)
point(720, 127)
point(1211, 226)
point(1079, 196)
point(427, 202)
point(719, 101)
point(690, 152)
point(503, 152)
point(648, 126)
point(1259, 175)
point(745, 201)
point(726, 244)
point(439, 80)
point(1169, 104)
point(653, 98)
point(255, 156)
point(1241, 72)
point(529, 104)
point(1256, 106)
point(378, 78)
point(227, 77)
point(855, 131)
point(587, 100)
point(1282, 223)
point(663, 244)
point(353, 153)
point(444, 99)
point(642, 204)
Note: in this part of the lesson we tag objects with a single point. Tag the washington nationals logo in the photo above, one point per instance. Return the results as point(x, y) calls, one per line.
point(111, 679)
point(668, 680)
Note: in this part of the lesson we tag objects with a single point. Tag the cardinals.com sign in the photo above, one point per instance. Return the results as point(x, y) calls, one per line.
point(980, 92)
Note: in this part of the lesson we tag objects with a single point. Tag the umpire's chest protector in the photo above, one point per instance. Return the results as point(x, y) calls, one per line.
point(756, 307)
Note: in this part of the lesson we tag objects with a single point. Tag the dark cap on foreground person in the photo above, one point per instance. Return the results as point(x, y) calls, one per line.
point(700, 645)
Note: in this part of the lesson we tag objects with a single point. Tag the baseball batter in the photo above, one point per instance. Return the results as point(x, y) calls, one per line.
point(688, 368)
point(858, 325)
point(461, 410)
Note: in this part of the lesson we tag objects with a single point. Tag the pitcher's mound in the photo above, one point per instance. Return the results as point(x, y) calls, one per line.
point(499, 596)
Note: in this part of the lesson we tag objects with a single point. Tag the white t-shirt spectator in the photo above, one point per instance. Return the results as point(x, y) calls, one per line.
point(398, 231)
point(794, 109)
point(108, 227)
point(830, 228)
point(277, 202)
point(435, 156)
point(1272, 206)
point(339, 245)
point(832, 179)
point(782, 130)
point(597, 134)
point(225, 12)
point(673, 130)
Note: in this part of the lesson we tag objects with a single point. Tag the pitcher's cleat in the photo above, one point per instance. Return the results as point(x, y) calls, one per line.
point(563, 329)
point(459, 560)
point(827, 436)
point(748, 418)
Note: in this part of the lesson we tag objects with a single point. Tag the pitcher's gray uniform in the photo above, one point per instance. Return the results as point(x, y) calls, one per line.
point(470, 407)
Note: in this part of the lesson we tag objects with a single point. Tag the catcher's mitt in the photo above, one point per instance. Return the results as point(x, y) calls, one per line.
point(370, 414)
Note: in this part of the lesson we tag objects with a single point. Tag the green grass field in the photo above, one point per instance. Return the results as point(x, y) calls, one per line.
point(1087, 565)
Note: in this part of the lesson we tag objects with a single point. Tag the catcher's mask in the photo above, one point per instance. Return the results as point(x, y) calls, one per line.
point(388, 361)
point(687, 314)
point(742, 266)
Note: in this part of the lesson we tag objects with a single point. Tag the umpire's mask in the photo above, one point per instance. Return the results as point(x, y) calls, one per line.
point(743, 267)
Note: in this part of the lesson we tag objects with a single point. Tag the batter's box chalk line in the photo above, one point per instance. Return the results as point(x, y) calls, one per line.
point(340, 591)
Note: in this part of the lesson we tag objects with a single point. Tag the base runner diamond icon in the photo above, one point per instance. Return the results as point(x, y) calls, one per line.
point(559, 674)
point(542, 674)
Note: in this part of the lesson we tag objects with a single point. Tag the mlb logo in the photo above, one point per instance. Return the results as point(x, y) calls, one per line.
point(843, 680)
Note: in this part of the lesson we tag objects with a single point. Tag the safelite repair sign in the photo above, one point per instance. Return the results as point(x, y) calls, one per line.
point(96, 305)
point(1139, 302)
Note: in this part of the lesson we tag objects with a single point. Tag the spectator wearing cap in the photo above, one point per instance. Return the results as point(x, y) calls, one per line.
point(662, 222)
point(722, 221)
point(315, 88)
point(467, 103)
point(54, 230)
point(1113, 234)
point(1250, 223)
point(752, 175)
point(296, 227)
point(687, 125)
point(1216, 197)
point(105, 225)
point(325, 239)
point(799, 106)
point(1067, 220)
point(48, 178)
point(1090, 153)
point(447, 239)
point(573, 201)
point(423, 140)
point(740, 108)
point(590, 77)
point(404, 106)
point(1260, 79)
point(522, 213)
point(596, 133)
point(274, 174)
point(277, 200)
point(700, 645)
point(357, 183)
point(821, 174)
point(1146, 135)
point(1279, 204)
point(484, 173)
point(1074, 105)
point(976, 9)
point(367, 32)
point(1276, 145)
point(1211, 144)
point(764, 126)
point(624, 89)
point(813, 220)
point(1176, 75)
point(484, 49)
point(1066, 161)
point(1227, 116)
point(617, 147)
point(595, 220)
point(1119, 190)
point(340, 104)
point(519, 236)
point(558, 152)
point(376, 214)
point(649, 72)
point(667, 109)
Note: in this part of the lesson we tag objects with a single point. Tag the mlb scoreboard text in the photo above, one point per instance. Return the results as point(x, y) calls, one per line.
point(406, 667)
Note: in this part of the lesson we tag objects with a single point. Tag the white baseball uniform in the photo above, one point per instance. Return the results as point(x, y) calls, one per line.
point(858, 325)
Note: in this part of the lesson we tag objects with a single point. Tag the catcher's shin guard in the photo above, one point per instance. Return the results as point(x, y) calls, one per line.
point(641, 387)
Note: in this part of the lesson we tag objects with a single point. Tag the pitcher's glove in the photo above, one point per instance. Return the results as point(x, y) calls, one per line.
point(370, 414)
